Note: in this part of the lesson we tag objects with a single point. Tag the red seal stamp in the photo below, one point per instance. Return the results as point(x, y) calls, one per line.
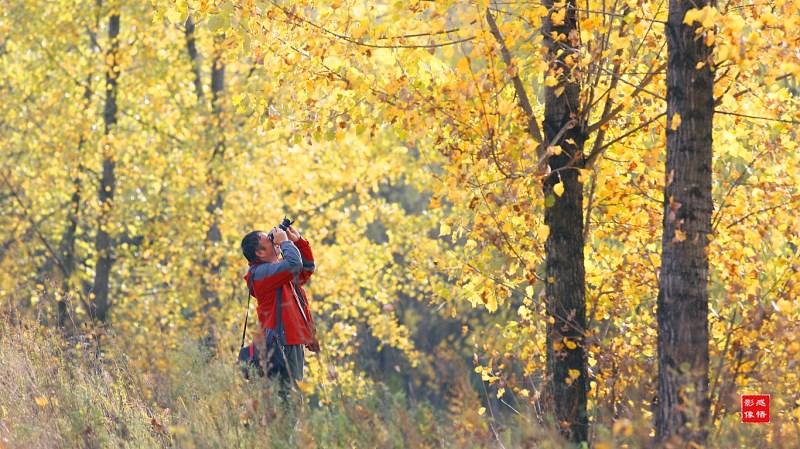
point(755, 408)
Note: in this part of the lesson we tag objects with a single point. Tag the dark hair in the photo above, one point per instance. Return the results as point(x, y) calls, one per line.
point(250, 245)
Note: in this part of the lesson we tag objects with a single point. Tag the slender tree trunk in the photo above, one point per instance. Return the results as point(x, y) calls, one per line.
point(67, 247)
point(564, 290)
point(103, 242)
point(214, 208)
point(194, 57)
point(682, 409)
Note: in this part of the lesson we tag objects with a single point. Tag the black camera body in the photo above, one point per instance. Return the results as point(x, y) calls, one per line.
point(285, 223)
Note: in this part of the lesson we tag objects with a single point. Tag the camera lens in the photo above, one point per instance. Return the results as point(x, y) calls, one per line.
point(285, 223)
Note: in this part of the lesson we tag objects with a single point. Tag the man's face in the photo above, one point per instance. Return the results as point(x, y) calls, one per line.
point(267, 251)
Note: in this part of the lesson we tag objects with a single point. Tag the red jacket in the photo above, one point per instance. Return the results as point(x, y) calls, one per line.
point(275, 280)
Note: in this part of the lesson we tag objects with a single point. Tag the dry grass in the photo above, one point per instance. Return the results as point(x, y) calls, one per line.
point(56, 393)
point(59, 394)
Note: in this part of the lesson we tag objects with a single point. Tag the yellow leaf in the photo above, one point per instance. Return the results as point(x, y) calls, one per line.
point(173, 15)
point(444, 229)
point(558, 189)
point(306, 387)
point(709, 40)
point(709, 16)
point(675, 122)
point(41, 401)
point(501, 392)
point(573, 374)
point(623, 426)
point(570, 344)
point(554, 149)
point(558, 16)
point(550, 81)
point(482, 411)
point(544, 231)
point(463, 65)
point(359, 29)
point(692, 15)
point(583, 175)
point(705, 16)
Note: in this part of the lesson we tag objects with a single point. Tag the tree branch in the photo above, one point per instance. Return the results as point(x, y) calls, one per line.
point(33, 223)
point(522, 96)
point(595, 154)
point(755, 117)
point(351, 40)
point(638, 89)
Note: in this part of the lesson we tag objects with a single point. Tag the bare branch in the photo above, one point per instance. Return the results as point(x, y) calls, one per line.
point(755, 117)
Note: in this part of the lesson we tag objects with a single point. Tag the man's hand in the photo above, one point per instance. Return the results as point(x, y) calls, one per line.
point(293, 234)
point(313, 346)
point(278, 235)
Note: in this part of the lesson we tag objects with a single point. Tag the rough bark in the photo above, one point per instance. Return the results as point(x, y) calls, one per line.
point(105, 194)
point(682, 408)
point(564, 289)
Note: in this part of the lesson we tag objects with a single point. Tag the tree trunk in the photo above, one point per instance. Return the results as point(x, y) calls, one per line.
point(194, 58)
point(564, 289)
point(214, 208)
point(103, 242)
point(682, 408)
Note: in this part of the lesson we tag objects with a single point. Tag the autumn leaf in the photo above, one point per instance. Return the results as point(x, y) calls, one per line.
point(558, 189)
point(572, 375)
point(675, 122)
point(706, 16)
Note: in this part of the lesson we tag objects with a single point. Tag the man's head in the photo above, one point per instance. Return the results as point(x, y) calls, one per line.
point(257, 247)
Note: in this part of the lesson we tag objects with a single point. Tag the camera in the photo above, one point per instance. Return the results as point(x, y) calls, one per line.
point(285, 223)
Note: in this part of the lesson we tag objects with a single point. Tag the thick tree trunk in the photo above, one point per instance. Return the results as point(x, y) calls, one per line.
point(564, 290)
point(103, 241)
point(682, 409)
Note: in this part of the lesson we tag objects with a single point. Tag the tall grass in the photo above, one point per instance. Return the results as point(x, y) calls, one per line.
point(57, 394)
point(64, 393)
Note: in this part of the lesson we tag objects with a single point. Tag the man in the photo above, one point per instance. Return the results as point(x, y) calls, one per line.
point(270, 279)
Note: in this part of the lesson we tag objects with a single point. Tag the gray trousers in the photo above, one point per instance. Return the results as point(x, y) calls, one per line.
point(295, 358)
